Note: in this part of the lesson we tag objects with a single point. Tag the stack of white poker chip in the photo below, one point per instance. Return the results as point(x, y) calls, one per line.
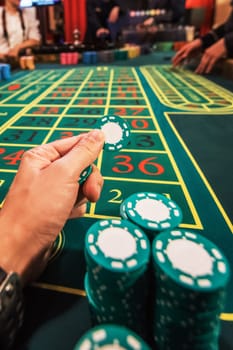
point(117, 254)
point(191, 275)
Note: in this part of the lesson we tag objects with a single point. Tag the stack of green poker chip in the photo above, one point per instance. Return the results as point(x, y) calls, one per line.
point(84, 174)
point(120, 54)
point(152, 212)
point(110, 336)
point(116, 130)
point(117, 255)
point(191, 275)
point(106, 56)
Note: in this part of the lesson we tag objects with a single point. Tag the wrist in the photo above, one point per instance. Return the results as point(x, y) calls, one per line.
point(197, 43)
point(16, 252)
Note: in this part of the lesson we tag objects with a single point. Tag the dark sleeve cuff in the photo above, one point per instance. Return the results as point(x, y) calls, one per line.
point(213, 36)
point(11, 310)
point(229, 44)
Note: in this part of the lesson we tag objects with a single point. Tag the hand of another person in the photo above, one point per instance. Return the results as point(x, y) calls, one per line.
point(2, 57)
point(211, 56)
point(148, 22)
point(114, 15)
point(189, 50)
point(43, 195)
point(14, 52)
point(102, 31)
point(146, 25)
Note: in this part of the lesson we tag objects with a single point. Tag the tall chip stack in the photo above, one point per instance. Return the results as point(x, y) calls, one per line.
point(191, 275)
point(117, 255)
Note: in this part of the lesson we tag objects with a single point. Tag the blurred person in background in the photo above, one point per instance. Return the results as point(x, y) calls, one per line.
point(19, 29)
point(212, 47)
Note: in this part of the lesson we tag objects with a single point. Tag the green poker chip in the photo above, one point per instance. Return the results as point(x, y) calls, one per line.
point(117, 245)
point(116, 131)
point(123, 213)
point(57, 245)
point(152, 211)
point(116, 302)
point(191, 276)
point(117, 254)
point(110, 336)
point(84, 174)
point(190, 260)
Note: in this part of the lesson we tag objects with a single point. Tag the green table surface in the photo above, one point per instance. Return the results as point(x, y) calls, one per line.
point(181, 123)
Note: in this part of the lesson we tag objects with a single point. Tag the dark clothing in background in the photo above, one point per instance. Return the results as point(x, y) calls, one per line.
point(223, 31)
point(97, 17)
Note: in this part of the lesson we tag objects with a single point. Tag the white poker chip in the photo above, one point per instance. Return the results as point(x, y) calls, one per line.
point(190, 260)
point(117, 245)
point(152, 211)
point(116, 131)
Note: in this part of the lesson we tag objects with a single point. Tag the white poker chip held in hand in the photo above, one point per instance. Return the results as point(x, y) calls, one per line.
point(116, 131)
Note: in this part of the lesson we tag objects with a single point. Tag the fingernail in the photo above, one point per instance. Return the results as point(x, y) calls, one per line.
point(97, 134)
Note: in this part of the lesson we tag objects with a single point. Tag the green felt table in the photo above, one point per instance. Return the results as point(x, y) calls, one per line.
point(181, 146)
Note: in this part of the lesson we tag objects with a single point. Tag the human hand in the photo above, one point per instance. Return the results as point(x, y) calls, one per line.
point(146, 25)
point(114, 14)
point(43, 195)
point(148, 22)
point(14, 52)
point(2, 57)
point(211, 56)
point(187, 51)
point(102, 31)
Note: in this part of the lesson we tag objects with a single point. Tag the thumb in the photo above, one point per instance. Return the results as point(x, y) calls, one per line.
point(82, 154)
